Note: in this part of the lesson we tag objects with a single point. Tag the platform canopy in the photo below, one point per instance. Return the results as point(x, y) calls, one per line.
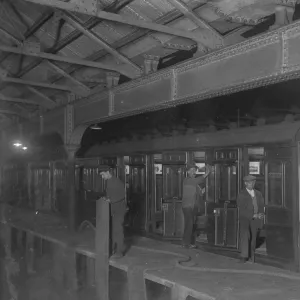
point(55, 51)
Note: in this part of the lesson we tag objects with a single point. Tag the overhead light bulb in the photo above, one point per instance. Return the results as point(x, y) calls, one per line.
point(24, 148)
point(17, 144)
point(96, 127)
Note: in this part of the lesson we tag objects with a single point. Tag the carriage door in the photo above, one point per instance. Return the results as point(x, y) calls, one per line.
point(136, 194)
point(280, 191)
point(227, 183)
point(173, 175)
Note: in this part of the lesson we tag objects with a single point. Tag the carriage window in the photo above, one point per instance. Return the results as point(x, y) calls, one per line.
point(172, 181)
point(226, 180)
point(211, 186)
point(233, 182)
point(275, 172)
point(288, 193)
point(158, 186)
point(138, 179)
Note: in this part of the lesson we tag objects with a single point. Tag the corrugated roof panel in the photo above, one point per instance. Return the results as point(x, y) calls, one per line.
point(163, 5)
point(83, 47)
point(108, 32)
point(146, 9)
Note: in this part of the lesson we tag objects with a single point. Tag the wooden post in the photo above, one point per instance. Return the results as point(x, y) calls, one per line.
point(72, 197)
point(30, 252)
point(90, 271)
point(102, 250)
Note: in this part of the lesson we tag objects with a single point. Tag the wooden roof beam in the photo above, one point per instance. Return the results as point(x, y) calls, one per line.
point(82, 90)
point(17, 100)
point(38, 84)
point(123, 69)
point(187, 12)
point(46, 101)
point(10, 36)
point(75, 22)
point(92, 10)
point(10, 112)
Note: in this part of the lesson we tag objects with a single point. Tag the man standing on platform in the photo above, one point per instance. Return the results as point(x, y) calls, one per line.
point(115, 195)
point(190, 206)
point(251, 213)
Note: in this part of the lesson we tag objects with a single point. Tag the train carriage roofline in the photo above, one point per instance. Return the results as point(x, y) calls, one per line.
point(268, 134)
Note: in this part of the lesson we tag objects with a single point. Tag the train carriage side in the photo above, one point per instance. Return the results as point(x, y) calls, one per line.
point(269, 152)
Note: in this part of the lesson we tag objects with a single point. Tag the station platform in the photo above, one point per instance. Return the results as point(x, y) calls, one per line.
point(160, 270)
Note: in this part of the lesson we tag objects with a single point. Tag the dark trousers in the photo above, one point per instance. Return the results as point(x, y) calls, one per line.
point(189, 214)
point(118, 211)
point(248, 235)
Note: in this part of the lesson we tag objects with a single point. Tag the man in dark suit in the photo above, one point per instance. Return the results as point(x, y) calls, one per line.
point(251, 213)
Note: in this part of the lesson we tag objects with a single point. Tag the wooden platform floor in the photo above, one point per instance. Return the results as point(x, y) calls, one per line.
point(203, 275)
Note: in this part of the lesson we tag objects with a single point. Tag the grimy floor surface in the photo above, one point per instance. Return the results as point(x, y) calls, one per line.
point(163, 271)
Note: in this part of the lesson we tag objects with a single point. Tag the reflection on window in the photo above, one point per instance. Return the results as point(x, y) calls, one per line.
point(138, 179)
point(158, 192)
point(226, 180)
point(275, 175)
point(211, 185)
point(288, 193)
point(172, 181)
point(233, 182)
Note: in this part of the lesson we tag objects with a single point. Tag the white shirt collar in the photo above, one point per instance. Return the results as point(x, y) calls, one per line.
point(251, 192)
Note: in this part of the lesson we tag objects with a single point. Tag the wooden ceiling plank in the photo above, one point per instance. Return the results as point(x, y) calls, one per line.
point(72, 20)
point(47, 102)
point(91, 11)
point(38, 84)
point(186, 11)
point(85, 90)
point(77, 61)
point(17, 100)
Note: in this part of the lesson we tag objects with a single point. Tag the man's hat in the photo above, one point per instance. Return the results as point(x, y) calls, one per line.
point(104, 168)
point(191, 166)
point(249, 178)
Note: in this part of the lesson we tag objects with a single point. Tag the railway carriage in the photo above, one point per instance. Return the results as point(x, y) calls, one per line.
point(153, 170)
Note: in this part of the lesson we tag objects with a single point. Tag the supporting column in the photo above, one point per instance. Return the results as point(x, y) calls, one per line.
point(102, 250)
point(150, 63)
point(71, 188)
point(284, 13)
point(112, 79)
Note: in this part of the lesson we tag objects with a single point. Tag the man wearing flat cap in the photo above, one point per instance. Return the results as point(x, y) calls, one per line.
point(251, 213)
point(115, 195)
point(189, 203)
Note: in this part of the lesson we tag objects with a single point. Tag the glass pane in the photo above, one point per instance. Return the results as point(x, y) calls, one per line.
point(288, 185)
point(137, 180)
point(233, 182)
point(159, 192)
point(211, 185)
point(275, 183)
point(222, 181)
point(172, 181)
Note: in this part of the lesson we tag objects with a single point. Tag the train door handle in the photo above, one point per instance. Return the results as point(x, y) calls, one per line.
point(217, 212)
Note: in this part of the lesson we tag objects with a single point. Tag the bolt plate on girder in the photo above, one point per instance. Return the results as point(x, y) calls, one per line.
point(32, 47)
point(89, 6)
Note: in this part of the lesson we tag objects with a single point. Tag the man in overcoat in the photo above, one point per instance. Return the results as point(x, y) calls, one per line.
point(251, 213)
point(115, 195)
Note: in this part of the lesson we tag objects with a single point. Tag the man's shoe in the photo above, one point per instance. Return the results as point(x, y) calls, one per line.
point(192, 246)
point(242, 260)
point(117, 256)
point(252, 259)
